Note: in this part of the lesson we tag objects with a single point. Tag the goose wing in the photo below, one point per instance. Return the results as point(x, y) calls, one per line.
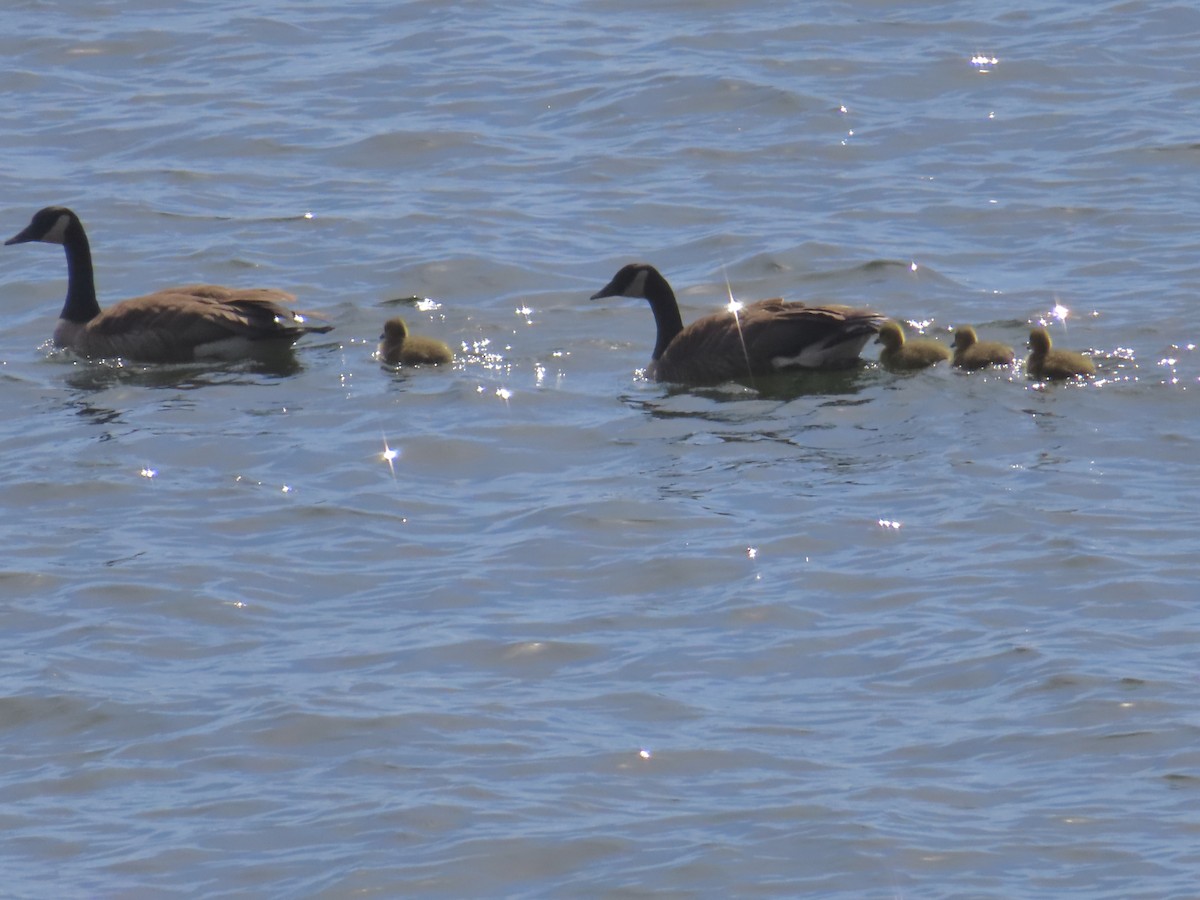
point(171, 324)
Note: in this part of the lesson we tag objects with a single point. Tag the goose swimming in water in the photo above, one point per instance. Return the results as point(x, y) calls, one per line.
point(901, 355)
point(762, 338)
point(972, 353)
point(1050, 364)
point(178, 324)
point(398, 347)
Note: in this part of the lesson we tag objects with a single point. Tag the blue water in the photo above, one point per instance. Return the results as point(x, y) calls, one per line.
point(535, 626)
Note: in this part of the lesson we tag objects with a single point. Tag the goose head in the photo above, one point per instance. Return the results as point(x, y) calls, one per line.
point(1039, 341)
point(644, 281)
point(639, 280)
point(48, 225)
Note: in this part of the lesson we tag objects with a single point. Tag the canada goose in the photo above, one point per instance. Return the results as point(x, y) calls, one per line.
point(761, 338)
point(1046, 363)
point(899, 354)
point(179, 324)
point(972, 353)
point(398, 347)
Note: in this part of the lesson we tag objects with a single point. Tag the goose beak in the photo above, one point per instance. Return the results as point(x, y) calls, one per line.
point(22, 238)
point(609, 290)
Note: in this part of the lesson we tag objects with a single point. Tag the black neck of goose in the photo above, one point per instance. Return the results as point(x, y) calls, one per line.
point(666, 312)
point(81, 305)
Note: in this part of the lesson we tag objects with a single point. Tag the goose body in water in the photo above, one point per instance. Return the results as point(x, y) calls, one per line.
point(178, 324)
point(1055, 365)
point(972, 353)
point(899, 354)
point(398, 347)
point(762, 338)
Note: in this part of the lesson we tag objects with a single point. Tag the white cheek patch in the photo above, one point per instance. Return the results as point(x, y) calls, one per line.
point(58, 232)
point(637, 287)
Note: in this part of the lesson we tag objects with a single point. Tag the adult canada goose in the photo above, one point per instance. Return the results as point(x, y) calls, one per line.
point(972, 353)
point(398, 347)
point(900, 355)
point(178, 324)
point(761, 338)
point(1051, 364)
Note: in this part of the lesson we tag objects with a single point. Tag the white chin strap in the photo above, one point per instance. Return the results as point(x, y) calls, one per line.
point(58, 234)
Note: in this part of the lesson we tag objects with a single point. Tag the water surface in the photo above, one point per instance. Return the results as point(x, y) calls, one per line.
point(534, 626)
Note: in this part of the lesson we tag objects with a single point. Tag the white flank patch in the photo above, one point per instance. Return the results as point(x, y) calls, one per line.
point(234, 348)
point(820, 356)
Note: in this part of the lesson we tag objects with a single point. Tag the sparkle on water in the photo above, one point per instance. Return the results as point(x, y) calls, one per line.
point(983, 63)
point(389, 456)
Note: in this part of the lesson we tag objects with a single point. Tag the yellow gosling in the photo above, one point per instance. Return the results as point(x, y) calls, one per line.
point(901, 355)
point(1048, 364)
point(972, 353)
point(398, 347)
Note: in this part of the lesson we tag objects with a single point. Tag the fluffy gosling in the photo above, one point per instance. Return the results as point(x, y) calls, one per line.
point(901, 355)
point(398, 347)
point(1054, 365)
point(972, 353)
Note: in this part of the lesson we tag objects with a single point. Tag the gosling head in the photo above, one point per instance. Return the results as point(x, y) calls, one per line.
point(891, 335)
point(1039, 341)
point(964, 337)
point(394, 331)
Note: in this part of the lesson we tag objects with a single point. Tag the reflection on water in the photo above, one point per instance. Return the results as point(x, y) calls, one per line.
point(96, 415)
point(100, 375)
point(783, 387)
point(795, 385)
